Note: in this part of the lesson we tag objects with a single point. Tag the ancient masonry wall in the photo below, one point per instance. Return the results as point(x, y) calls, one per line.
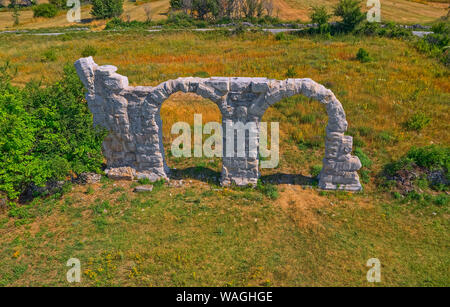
point(132, 117)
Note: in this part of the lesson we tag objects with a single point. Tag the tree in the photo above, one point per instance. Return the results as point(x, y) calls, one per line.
point(60, 4)
point(46, 10)
point(176, 4)
point(320, 16)
point(204, 8)
point(107, 8)
point(16, 15)
point(350, 13)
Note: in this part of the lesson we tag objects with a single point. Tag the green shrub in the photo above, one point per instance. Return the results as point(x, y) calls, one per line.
point(417, 122)
point(320, 16)
point(46, 10)
point(181, 20)
point(365, 160)
point(176, 4)
point(441, 28)
point(117, 23)
point(441, 200)
point(363, 56)
point(315, 170)
point(60, 4)
point(283, 36)
point(350, 13)
point(45, 133)
point(107, 8)
point(49, 56)
point(89, 50)
point(365, 175)
point(432, 157)
point(291, 73)
point(268, 190)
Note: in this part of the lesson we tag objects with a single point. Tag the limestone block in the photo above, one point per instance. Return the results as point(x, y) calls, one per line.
point(121, 173)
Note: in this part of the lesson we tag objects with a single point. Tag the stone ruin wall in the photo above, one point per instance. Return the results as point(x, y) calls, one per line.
point(132, 117)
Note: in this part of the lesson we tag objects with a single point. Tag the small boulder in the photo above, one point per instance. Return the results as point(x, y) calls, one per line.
point(143, 188)
point(120, 173)
point(87, 178)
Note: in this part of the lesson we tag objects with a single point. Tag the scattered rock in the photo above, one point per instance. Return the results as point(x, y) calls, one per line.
point(143, 188)
point(87, 178)
point(120, 173)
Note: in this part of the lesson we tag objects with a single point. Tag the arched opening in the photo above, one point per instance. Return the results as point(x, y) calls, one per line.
point(192, 109)
point(302, 123)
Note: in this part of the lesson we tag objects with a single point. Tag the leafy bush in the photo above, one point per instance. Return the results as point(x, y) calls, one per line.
point(107, 8)
point(46, 10)
point(417, 122)
point(441, 28)
point(436, 44)
point(176, 4)
point(60, 4)
point(268, 190)
point(182, 20)
point(283, 36)
point(431, 157)
point(291, 73)
point(320, 16)
point(365, 160)
point(45, 134)
point(89, 50)
point(117, 23)
point(350, 13)
point(49, 56)
point(363, 56)
point(315, 170)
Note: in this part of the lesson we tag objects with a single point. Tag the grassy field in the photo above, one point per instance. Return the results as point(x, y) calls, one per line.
point(202, 234)
point(402, 11)
point(135, 10)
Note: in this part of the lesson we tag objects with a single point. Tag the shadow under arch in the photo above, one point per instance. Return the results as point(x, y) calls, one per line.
point(131, 114)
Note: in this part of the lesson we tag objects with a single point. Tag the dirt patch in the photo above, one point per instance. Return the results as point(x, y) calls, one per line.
point(302, 204)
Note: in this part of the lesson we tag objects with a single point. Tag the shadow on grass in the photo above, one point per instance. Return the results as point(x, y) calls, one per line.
point(86, 20)
point(282, 178)
point(201, 173)
point(209, 175)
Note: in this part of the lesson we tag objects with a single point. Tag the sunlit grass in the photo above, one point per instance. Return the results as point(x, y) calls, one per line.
point(200, 234)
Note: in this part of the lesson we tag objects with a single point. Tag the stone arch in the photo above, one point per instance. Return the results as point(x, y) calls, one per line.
point(131, 114)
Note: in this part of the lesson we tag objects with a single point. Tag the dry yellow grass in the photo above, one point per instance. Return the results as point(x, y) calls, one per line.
point(202, 235)
point(403, 11)
point(135, 10)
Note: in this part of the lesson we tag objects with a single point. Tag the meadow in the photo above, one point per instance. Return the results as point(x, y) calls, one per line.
point(400, 11)
point(284, 234)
